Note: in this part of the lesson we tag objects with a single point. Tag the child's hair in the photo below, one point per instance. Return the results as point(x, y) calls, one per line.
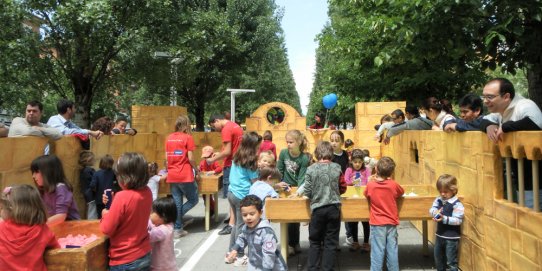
point(132, 170)
point(323, 150)
point(267, 154)
point(348, 143)
point(412, 110)
point(339, 133)
point(357, 154)
point(269, 172)
point(366, 152)
point(106, 162)
point(473, 102)
point(385, 167)
point(267, 135)
point(23, 205)
point(298, 137)
point(247, 153)
point(166, 209)
point(182, 124)
point(438, 105)
point(86, 158)
point(398, 113)
point(252, 200)
point(51, 170)
point(153, 169)
point(385, 118)
point(447, 181)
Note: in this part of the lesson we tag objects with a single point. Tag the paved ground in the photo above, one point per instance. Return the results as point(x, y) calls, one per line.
point(202, 250)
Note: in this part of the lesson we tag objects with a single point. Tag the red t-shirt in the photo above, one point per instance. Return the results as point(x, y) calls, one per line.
point(126, 225)
point(383, 197)
point(267, 145)
point(22, 246)
point(179, 169)
point(231, 132)
point(215, 166)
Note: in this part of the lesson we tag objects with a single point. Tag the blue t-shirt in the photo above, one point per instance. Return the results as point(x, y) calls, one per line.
point(263, 190)
point(241, 180)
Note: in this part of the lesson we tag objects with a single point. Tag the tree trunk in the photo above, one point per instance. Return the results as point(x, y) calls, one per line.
point(199, 112)
point(534, 78)
point(83, 103)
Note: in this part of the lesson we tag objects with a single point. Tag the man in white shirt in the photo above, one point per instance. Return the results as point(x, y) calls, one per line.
point(62, 121)
point(30, 125)
point(509, 111)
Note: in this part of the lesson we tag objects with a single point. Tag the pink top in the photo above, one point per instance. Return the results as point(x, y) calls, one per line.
point(350, 175)
point(163, 254)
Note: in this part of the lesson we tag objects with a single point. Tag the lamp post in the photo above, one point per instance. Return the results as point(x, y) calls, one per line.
point(233, 92)
point(174, 62)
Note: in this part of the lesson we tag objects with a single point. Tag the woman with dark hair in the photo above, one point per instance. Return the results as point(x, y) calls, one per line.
point(320, 122)
point(104, 124)
point(440, 112)
point(55, 191)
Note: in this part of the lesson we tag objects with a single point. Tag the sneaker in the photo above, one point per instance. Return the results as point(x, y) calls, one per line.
point(227, 220)
point(241, 261)
point(226, 230)
point(180, 233)
point(188, 221)
point(349, 240)
point(354, 246)
point(291, 250)
point(297, 249)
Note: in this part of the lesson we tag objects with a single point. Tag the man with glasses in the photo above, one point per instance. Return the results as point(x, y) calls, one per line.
point(509, 111)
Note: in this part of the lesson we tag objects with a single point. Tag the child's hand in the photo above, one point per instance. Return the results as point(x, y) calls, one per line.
point(105, 199)
point(282, 185)
point(293, 196)
point(231, 256)
point(438, 219)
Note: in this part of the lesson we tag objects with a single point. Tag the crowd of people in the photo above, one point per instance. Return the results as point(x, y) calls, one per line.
point(141, 226)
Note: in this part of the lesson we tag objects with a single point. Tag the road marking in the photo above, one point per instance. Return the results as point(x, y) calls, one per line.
point(191, 263)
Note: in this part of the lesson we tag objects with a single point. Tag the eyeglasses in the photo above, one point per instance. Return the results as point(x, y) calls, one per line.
point(488, 97)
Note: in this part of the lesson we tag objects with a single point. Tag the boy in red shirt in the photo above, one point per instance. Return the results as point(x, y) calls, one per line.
point(382, 192)
point(209, 169)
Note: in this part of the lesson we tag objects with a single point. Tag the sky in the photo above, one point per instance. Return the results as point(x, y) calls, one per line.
point(302, 21)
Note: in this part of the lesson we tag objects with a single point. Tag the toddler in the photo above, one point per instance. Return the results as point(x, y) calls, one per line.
point(266, 159)
point(86, 160)
point(357, 175)
point(154, 180)
point(212, 168)
point(164, 214)
point(127, 220)
point(382, 192)
point(323, 190)
point(448, 212)
point(24, 236)
point(260, 238)
point(263, 187)
point(103, 179)
point(267, 144)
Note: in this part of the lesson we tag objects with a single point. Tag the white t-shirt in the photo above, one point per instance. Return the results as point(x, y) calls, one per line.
point(153, 185)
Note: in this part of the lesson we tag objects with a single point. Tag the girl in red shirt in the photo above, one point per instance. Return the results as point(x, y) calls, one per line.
point(127, 219)
point(24, 236)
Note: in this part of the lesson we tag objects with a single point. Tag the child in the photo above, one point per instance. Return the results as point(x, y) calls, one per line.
point(56, 193)
point(103, 179)
point(448, 212)
point(266, 159)
point(358, 175)
point(397, 117)
point(243, 172)
point(292, 164)
point(263, 187)
point(164, 214)
point(86, 160)
point(323, 190)
point(382, 192)
point(349, 145)
point(260, 238)
point(24, 236)
point(154, 180)
point(213, 168)
point(369, 161)
point(267, 144)
point(340, 156)
point(127, 220)
point(182, 171)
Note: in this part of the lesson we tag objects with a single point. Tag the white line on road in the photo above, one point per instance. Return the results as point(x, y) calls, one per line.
point(199, 253)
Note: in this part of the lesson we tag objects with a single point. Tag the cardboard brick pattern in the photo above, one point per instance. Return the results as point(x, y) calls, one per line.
point(496, 234)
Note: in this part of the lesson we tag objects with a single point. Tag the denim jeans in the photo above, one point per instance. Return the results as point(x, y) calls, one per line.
point(141, 264)
point(324, 228)
point(235, 204)
point(190, 191)
point(446, 254)
point(384, 245)
point(225, 181)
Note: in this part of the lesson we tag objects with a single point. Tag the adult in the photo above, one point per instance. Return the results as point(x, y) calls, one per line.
point(120, 127)
point(440, 113)
point(104, 124)
point(320, 122)
point(231, 134)
point(470, 109)
point(509, 111)
point(62, 121)
point(416, 122)
point(30, 125)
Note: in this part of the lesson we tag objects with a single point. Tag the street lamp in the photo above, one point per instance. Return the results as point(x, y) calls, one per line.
point(233, 92)
point(174, 62)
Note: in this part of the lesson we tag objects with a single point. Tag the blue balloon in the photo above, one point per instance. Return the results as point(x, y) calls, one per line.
point(329, 100)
